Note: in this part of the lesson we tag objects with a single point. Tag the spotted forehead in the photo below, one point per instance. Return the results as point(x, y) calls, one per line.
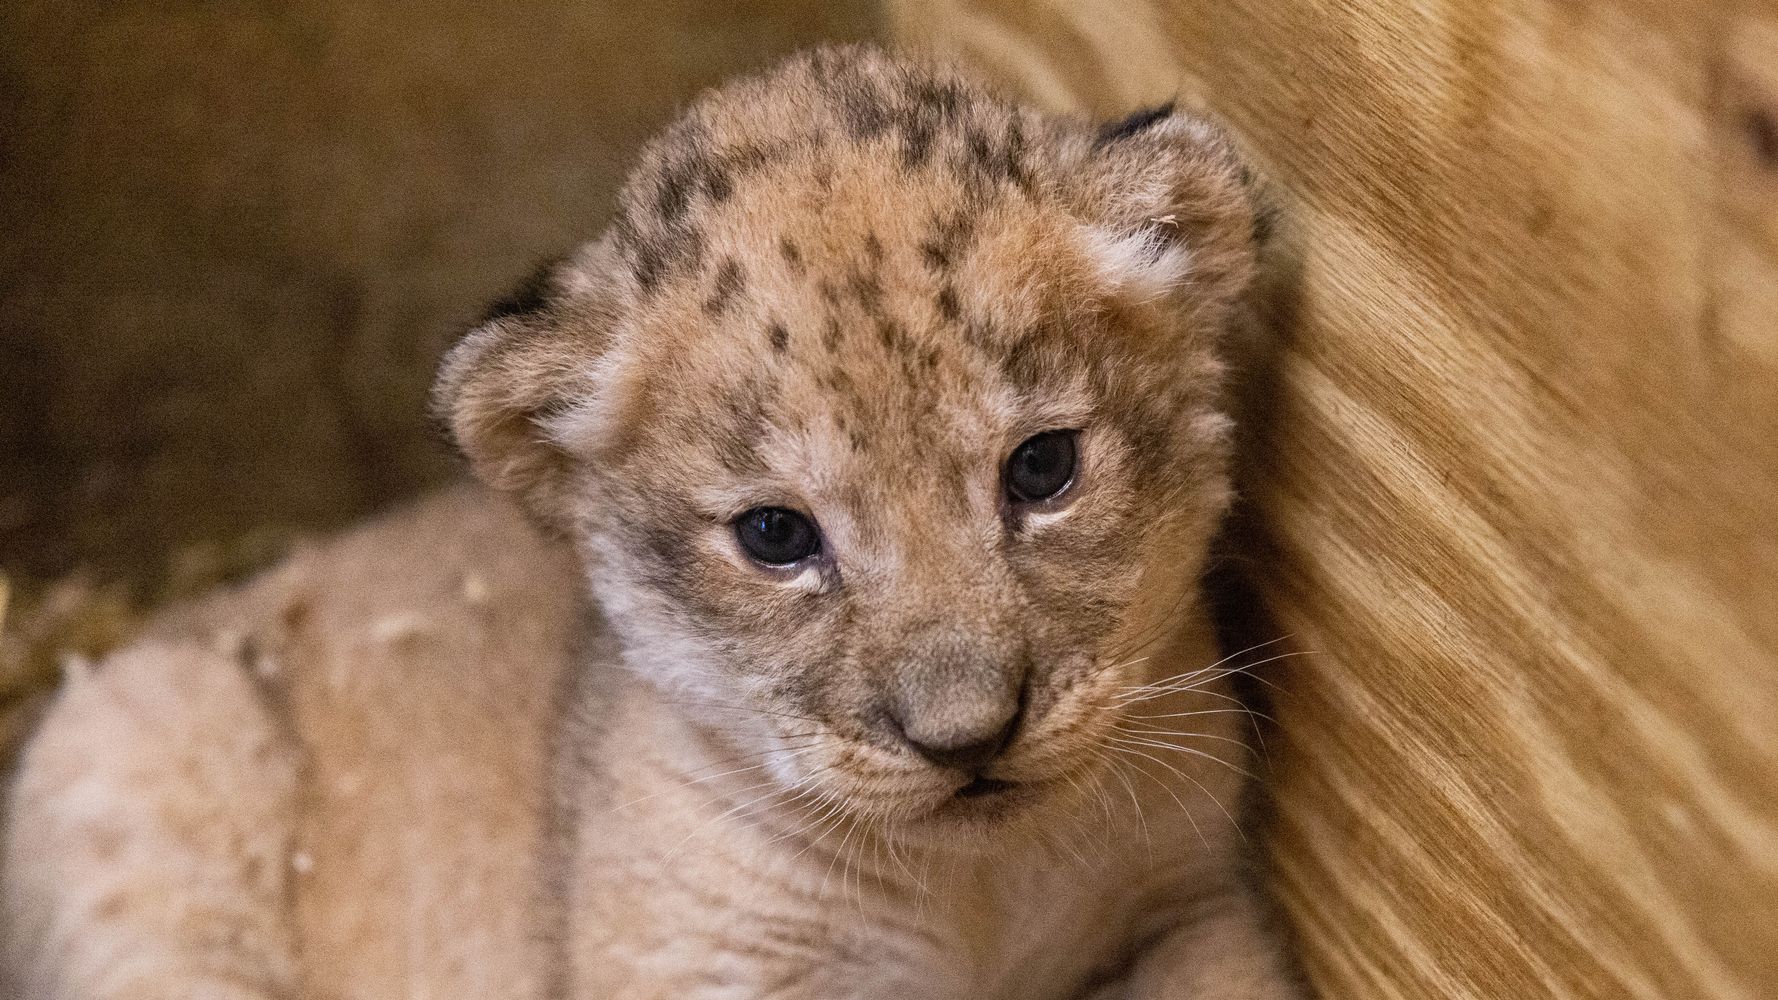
point(817, 113)
point(862, 259)
point(852, 307)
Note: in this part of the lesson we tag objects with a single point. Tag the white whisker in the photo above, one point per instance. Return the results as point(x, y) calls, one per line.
point(1181, 733)
point(1194, 679)
point(1188, 750)
point(1218, 663)
point(1208, 711)
point(1189, 818)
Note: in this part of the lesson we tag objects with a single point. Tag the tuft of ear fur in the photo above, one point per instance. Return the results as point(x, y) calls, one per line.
point(1139, 266)
point(1168, 205)
point(532, 359)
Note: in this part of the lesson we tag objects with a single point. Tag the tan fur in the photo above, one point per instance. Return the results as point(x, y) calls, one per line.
point(416, 762)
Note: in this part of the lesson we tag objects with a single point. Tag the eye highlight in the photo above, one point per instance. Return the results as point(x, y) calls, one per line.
point(1041, 467)
point(776, 536)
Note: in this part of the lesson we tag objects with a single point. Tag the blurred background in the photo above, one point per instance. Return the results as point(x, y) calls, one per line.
point(234, 239)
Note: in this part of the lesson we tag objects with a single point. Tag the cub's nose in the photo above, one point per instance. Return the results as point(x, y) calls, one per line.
point(968, 750)
point(955, 697)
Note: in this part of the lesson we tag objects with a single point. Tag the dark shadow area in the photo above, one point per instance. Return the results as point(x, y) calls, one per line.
point(1251, 638)
point(234, 239)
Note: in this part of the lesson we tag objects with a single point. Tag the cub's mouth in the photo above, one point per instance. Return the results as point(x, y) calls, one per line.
point(983, 787)
point(987, 800)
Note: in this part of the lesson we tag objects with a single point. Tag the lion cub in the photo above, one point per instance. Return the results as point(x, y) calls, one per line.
point(828, 626)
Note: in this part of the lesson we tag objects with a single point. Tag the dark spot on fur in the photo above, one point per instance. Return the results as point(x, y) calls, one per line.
point(717, 186)
point(947, 241)
point(948, 306)
point(778, 336)
point(862, 109)
point(856, 440)
point(1012, 157)
point(868, 290)
point(792, 256)
point(673, 191)
point(647, 267)
point(999, 162)
point(723, 289)
point(112, 906)
point(296, 616)
point(531, 296)
point(980, 152)
point(931, 106)
point(675, 248)
point(830, 335)
point(644, 255)
point(1761, 126)
point(248, 653)
point(751, 158)
point(1142, 120)
point(873, 248)
point(916, 143)
point(696, 169)
point(943, 97)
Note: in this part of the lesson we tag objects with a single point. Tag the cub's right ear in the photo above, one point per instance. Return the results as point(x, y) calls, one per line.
point(1172, 204)
point(535, 357)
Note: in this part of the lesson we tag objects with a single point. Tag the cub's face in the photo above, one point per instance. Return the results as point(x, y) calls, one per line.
point(886, 421)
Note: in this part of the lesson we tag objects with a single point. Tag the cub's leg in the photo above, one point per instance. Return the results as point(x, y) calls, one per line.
point(1221, 951)
point(149, 835)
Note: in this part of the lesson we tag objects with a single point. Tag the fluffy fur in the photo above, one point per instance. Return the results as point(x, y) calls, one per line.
point(418, 762)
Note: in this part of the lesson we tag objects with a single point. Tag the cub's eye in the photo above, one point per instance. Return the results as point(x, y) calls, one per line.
point(776, 536)
point(1041, 467)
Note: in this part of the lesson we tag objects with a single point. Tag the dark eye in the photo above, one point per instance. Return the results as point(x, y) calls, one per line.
point(1041, 467)
point(776, 536)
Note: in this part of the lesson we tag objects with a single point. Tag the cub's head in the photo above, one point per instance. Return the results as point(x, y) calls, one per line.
point(886, 420)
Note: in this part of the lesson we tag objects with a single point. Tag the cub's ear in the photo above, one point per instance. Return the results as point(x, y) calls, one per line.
point(534, 358)
point(1170, 205)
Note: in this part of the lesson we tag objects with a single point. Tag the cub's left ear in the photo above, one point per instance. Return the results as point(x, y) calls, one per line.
point(537, 355)
point(1170, 207)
